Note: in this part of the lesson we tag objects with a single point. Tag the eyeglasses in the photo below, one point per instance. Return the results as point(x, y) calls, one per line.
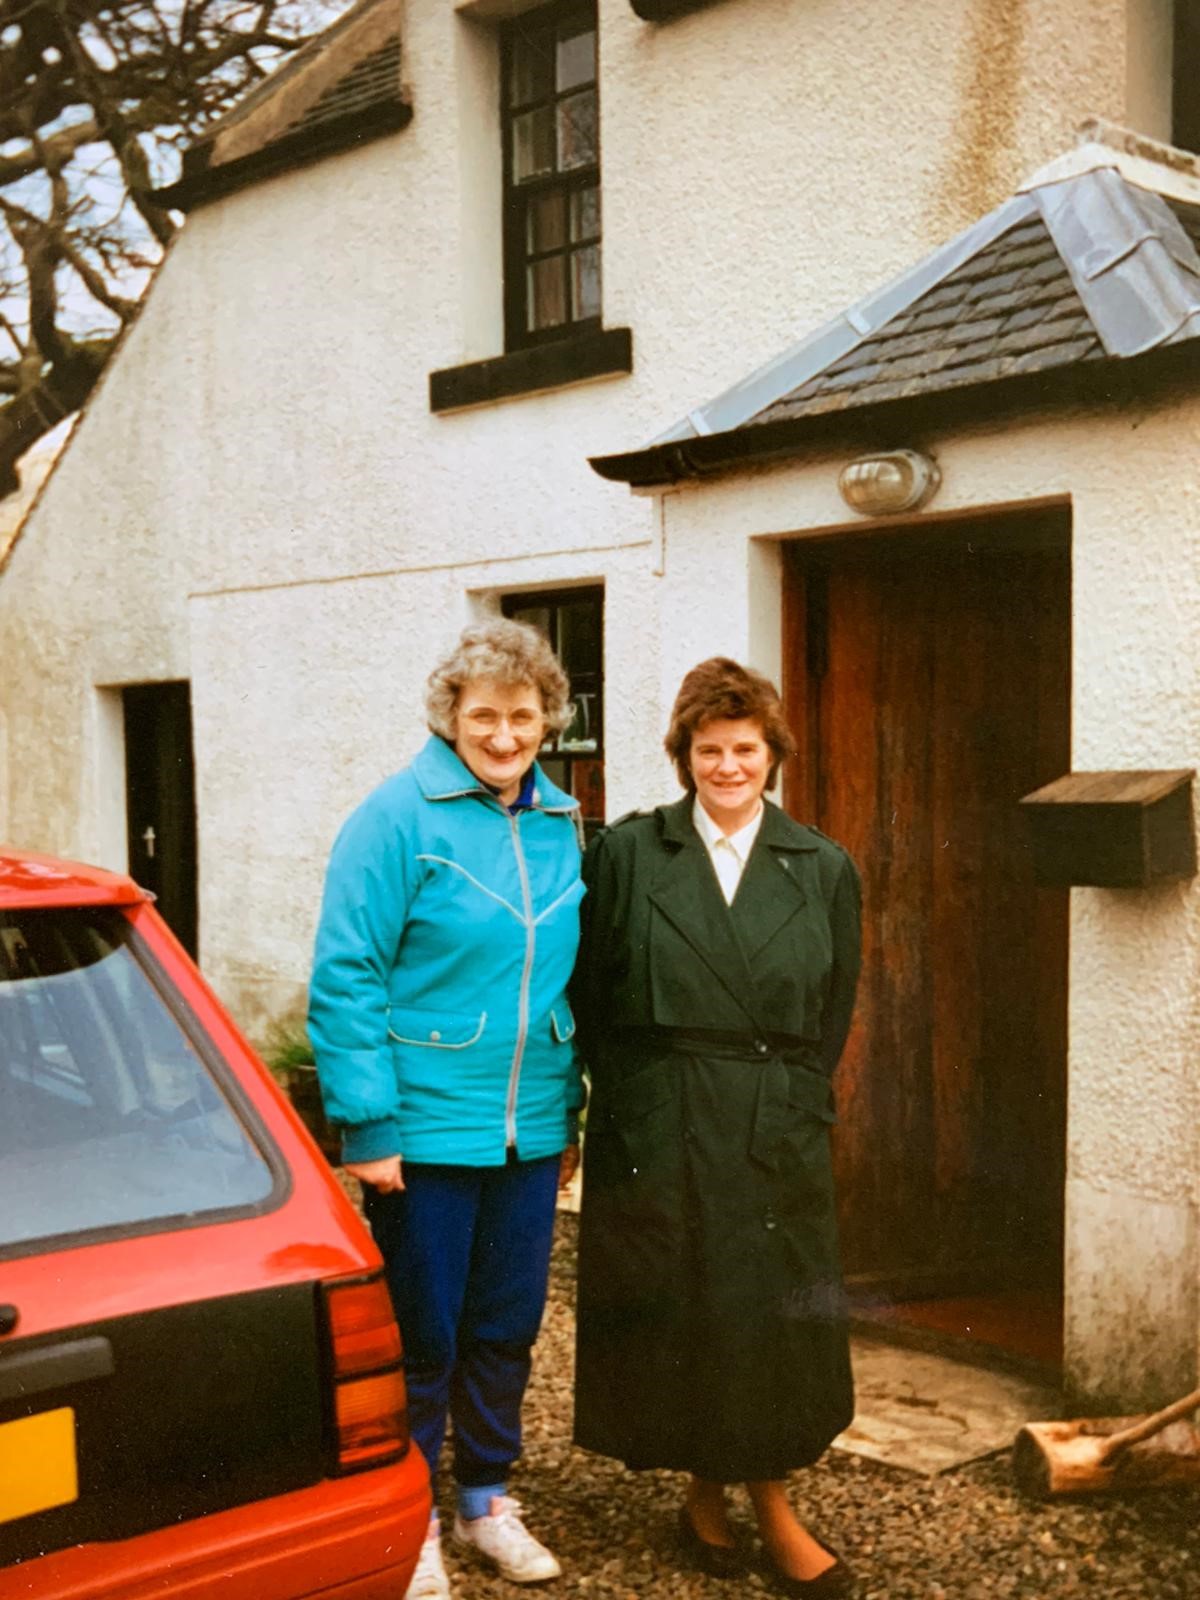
point(523, 721)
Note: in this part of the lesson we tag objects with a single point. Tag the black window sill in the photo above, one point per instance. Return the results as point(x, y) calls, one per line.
point(666, 10)
point(574, 359)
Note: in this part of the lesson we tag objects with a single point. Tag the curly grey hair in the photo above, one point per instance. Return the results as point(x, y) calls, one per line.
point(507, 652)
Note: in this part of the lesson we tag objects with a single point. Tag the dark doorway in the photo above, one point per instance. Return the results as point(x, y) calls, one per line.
point(929, 683)
point(161, 800)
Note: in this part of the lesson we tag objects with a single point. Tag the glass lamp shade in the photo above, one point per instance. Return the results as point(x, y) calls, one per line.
point(881, 485)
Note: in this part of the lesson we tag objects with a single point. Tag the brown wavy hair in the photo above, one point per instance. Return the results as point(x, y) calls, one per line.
point(719, 690)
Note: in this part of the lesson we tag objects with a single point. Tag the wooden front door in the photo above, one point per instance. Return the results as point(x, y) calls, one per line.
point(161, 802)
point(929, 686)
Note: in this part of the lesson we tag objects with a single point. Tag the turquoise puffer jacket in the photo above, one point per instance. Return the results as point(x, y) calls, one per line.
point(438, 1008)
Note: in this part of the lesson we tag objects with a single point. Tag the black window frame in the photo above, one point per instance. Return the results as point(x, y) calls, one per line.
point(591, 681)
point(1185, 76)
point(551, 22)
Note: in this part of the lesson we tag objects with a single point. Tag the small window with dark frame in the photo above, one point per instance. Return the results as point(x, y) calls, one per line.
point(573, 621)
point(551, 128)
point(1185, 102)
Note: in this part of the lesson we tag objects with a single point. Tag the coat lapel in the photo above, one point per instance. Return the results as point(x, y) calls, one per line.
point(772, 890)
point(688, 895)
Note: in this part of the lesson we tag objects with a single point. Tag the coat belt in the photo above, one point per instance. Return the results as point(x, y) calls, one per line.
point(772, 1054)
point(726, 1041)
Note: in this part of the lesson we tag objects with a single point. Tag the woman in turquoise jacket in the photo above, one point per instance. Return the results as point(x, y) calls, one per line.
point(442, 1033)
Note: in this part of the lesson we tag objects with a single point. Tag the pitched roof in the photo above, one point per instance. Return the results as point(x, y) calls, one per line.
point(340, 89)
point(1096, 260)
point(1012, 308)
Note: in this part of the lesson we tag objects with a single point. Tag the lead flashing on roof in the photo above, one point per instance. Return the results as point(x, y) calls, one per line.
point(1158, 168)
point(1131, 262)
point(829, 343)
point(1130, 259)
point(1145, 163)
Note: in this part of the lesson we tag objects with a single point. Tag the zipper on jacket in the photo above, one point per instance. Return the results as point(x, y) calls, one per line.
point(514, 1076)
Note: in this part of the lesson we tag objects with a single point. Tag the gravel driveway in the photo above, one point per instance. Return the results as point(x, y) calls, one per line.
point(963, 1536)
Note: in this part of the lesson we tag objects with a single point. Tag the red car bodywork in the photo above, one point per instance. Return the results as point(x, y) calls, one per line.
point(351, 1537)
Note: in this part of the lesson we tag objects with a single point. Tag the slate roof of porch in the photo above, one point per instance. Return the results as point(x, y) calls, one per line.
point(1095, 260)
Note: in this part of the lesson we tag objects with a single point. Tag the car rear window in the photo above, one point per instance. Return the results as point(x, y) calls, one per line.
point(109, 1117)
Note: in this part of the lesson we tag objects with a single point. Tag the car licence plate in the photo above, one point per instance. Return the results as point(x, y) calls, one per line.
point(38, 1467)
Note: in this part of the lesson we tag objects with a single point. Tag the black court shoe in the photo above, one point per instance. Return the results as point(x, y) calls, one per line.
point(718, 1560)
point(835, 1583)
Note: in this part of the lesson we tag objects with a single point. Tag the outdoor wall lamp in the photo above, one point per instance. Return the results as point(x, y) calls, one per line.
point(896, 480)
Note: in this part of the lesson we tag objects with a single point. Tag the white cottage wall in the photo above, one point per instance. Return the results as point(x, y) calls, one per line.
point(1133, 1183)
point(259, 497)
point(329, 680)
point(94, 592)
point(766, 163)
point(260, 500)
point(325, 298)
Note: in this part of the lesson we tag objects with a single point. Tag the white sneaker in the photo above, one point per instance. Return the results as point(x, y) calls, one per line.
point(503, 1538)
point(429, 1581)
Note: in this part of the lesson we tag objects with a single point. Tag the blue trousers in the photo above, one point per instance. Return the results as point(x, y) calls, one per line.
point(467, 1253)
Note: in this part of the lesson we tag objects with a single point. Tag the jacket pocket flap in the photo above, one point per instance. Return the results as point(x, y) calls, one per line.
point(812, 1092)
point(437, 1030)
point(562, 1023)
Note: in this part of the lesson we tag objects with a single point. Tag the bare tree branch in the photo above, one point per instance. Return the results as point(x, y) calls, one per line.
point(8, 328)
point(97, 99)
point(62, 145)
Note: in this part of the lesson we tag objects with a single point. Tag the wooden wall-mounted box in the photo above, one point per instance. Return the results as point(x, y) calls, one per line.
point(1113, 830)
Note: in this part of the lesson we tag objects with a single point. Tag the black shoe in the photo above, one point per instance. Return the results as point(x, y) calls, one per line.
point(835, 1583)
point(718, 1560)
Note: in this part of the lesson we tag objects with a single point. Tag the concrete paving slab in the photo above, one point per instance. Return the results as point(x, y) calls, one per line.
point(927, 1413)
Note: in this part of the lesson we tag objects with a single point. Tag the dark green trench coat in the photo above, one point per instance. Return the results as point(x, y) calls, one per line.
point(712, 1332)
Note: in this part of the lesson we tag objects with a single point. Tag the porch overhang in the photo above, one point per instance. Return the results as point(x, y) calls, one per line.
point(1075, 291)
point(906, 420)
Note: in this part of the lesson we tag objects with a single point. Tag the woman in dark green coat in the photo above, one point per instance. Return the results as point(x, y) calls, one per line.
point(713, 996)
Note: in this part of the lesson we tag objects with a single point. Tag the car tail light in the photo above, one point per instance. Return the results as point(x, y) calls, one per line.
point(363, 1327)
point(369, 1401)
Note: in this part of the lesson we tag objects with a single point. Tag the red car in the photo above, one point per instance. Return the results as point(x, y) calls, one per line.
point(201, 1389)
